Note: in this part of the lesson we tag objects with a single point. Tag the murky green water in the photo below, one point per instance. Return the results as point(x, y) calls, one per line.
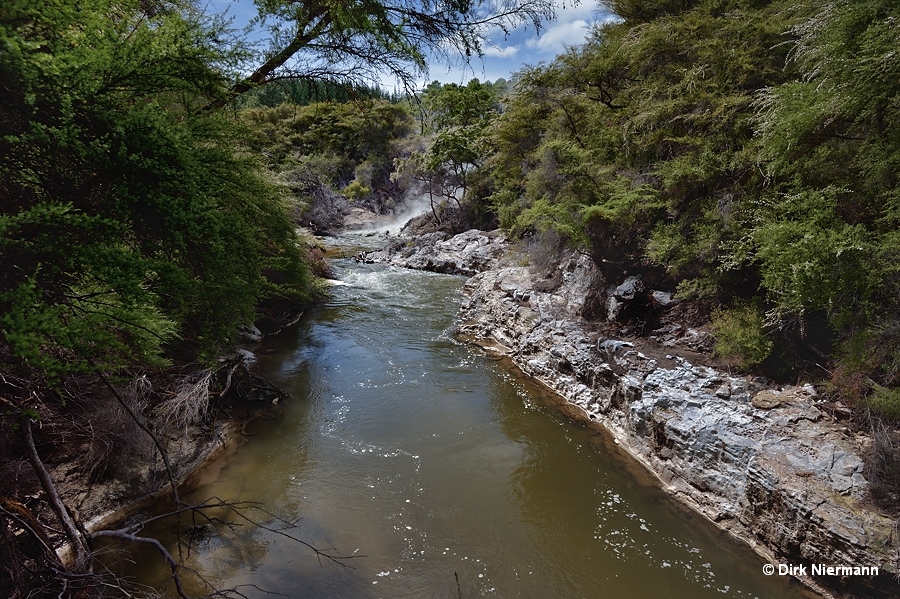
point(443, 475)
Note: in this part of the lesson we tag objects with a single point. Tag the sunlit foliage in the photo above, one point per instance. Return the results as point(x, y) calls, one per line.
point(746, 149)
point(129, 223)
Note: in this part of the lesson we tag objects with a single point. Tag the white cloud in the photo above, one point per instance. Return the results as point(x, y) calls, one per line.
point(570, 27)
point(585, 11)
point(557, 37)
point(499, 52)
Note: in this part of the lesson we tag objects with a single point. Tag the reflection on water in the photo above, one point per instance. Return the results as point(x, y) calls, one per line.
point(440, 474)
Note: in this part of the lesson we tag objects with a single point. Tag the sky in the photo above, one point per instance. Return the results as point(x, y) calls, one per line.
point(504, 56)
point(524, 47)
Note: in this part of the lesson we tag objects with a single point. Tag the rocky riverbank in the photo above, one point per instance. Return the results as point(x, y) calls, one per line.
point(464, 254)
point(779, 467)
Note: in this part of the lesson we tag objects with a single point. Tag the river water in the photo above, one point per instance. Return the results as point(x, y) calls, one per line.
point(440, 473)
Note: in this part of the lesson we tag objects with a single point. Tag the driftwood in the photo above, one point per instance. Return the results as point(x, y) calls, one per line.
point(73, 534)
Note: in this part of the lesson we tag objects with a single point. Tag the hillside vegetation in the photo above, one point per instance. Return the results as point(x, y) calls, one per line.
point(744, 153)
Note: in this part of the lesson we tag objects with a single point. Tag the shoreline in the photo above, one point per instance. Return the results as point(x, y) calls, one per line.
point(229, 437)
point(768, 464)
point(207, 463)
point(578, 414)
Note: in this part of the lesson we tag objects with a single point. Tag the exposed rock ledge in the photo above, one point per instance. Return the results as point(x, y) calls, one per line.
point(464, 254)
point(764, 463)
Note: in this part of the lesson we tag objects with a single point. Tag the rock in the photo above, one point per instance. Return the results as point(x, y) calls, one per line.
point(846, 465)
point(246, 356)
point(767, 400)
point(663, 299)
point(467, 253)
point(629, 289)
point(619, 296)
point(611, 346)
point(249, 333)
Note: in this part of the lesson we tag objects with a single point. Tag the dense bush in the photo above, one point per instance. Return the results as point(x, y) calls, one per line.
point(324, 148)
point(737, 151)
point(739, 333)
point(129, 223)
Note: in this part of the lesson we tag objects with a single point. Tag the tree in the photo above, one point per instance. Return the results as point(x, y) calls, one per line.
point(133, 233)
point(451, 105)
point(127, 215)
point(826, 237)
point(360, 40)
point(456, 118)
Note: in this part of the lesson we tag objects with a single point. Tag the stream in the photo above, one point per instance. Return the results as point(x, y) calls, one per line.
point(438, 472)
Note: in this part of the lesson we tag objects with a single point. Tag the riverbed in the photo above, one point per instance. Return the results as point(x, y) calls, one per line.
point(434, 470)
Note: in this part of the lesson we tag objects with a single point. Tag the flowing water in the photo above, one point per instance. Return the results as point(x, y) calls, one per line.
point(441, 474)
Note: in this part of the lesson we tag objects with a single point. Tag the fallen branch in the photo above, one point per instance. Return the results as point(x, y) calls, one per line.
point(130, 533)
point(59, 508)
point(235, 508)
point(27, 522)
point(162, 451)
point(227, 385)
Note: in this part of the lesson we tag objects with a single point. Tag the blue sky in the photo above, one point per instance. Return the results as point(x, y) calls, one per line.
point(504, 56)
point(524, 47)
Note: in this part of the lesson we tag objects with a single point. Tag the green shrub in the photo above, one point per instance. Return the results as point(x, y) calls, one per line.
point(885, 402)
point(740, 336)
point(356, 190)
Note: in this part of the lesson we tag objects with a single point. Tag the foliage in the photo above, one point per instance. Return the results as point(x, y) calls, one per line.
point(303, 91)
point(885, 402)
point(831, 142)
point(356, 189)
point(129, 222)
point(449, 105)
point(444, 167)
point(650, 103)
point(740, 336)
point(323, 147)
point(735, 150)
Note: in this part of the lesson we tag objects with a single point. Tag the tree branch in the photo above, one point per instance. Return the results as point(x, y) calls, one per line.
point(264, 72)
point(163, 453)
point(71, 530)
point(173, 565)
point(18, 512)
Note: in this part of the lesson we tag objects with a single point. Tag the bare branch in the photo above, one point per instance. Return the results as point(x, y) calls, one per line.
point(59, 508)
point(162, 451)
point(338, 559)
point(173, 565)
point(27, 521)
